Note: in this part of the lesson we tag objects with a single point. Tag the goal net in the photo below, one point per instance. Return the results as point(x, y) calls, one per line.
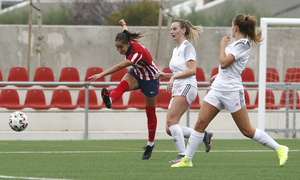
point(279, 76)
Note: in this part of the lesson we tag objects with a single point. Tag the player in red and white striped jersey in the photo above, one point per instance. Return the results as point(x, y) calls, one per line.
point(142, 76)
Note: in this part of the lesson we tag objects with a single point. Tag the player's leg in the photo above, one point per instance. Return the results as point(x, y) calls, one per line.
point(150, 89)
point(176, 109)
point(128, 82)
point(151, 124)
point(241, 118)
point(206, 114)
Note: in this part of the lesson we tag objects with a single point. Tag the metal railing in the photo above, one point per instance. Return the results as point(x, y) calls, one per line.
point(86, 85)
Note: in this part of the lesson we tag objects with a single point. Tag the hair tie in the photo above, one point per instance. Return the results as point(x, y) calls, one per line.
point(246, 18)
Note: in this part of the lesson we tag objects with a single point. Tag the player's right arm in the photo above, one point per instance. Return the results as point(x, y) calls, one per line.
point(111, 70)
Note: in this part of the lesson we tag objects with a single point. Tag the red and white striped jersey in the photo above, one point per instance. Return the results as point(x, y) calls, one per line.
point(144, 66)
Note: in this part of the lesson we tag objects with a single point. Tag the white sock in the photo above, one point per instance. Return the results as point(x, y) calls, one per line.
point(150, 143)
point(194, 142)
point(186, 131)
point(264, 139)
point(178, 138)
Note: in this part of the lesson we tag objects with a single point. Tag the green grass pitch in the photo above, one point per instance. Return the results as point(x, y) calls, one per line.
point(121, 159)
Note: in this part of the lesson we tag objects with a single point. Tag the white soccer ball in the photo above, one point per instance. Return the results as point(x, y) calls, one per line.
point(18, 121)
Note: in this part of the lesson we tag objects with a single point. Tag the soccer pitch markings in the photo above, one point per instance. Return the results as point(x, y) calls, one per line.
point(162, 151)
point(33, 178)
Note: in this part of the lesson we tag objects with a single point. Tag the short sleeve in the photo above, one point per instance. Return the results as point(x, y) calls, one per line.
point(239, 50)
point(190, 52)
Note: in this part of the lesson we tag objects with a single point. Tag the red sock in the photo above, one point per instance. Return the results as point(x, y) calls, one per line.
point(117, 93)
point(152, 123)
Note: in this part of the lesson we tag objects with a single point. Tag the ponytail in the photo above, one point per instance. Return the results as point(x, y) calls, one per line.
point(190, 34)
point(247, 26)
point(127, 36)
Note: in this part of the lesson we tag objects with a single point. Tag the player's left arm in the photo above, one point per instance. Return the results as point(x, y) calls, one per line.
point(190, 71)
point(123, 24)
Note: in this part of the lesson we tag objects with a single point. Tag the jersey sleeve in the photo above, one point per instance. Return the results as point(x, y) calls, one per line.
point(190, 52)
point(239, 50)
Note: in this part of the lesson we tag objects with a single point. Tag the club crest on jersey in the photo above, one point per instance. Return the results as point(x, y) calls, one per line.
point(179, 53)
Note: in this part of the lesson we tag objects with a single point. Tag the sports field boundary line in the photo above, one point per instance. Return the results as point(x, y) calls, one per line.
point(30, 178)
point(159, 151)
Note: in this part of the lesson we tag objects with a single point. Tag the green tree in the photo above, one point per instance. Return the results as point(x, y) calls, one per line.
point(224, 15)
point(16, 17)
point(143, 13)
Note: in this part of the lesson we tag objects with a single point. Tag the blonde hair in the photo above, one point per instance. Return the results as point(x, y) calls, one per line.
point(247, 26)
point(190, 33)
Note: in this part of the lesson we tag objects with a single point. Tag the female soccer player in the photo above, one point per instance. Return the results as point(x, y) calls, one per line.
point(227, 91)
point(142, 76)
point(182, 83)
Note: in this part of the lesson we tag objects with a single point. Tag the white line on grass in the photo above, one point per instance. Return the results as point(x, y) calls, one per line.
point(162, 151)
point(35, 178)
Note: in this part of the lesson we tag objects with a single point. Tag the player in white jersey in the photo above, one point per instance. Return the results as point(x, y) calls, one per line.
point(182, 83)
point(227, 91)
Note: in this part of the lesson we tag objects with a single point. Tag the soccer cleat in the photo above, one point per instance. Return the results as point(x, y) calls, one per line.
point(282, 152)
point(105, 97)
point(207, 140)
point(178, 159)
point(148, 152)
point(185, 162)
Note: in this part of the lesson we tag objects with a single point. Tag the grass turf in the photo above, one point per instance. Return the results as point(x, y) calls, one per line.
point(121, 159)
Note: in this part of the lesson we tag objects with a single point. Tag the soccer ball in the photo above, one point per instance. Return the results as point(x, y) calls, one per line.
point(18, 121)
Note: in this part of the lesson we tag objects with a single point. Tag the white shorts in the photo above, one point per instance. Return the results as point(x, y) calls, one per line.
point(187, 90)
point(231, 100)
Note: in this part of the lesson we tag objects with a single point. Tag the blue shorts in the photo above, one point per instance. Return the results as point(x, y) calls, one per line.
point(148, 87)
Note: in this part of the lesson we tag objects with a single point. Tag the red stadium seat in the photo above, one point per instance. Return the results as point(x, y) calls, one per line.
point(272, 75)
point(35, 98)
point(200, 76)
point(93, 101)
point(9, 99)
point(69, 74)
point(44, 74)
point(196, 103)
point(117, 104)
point(282, 103)
point(214, 71)
point(1, 78)
point(292, 75)
point(117, 76)
point(163, 99)
point(18, 74)
point(166, 70)
point(247, 101)
point(94, 70)
point(270, 100)
point(136, 99)
point(61, 98)
point(248, 76)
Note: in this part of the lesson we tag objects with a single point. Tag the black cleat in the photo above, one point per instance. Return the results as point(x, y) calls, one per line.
point(105, 97)
point(207, 140)
point(148, 152)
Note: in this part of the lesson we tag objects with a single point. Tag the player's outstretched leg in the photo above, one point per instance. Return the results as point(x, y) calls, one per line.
point(105, 97)
point(282, 152)
point(148, 152)
point(207, 140)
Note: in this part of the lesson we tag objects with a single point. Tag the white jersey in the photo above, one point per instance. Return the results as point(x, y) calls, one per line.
point(230, 79)
point(185, 52)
